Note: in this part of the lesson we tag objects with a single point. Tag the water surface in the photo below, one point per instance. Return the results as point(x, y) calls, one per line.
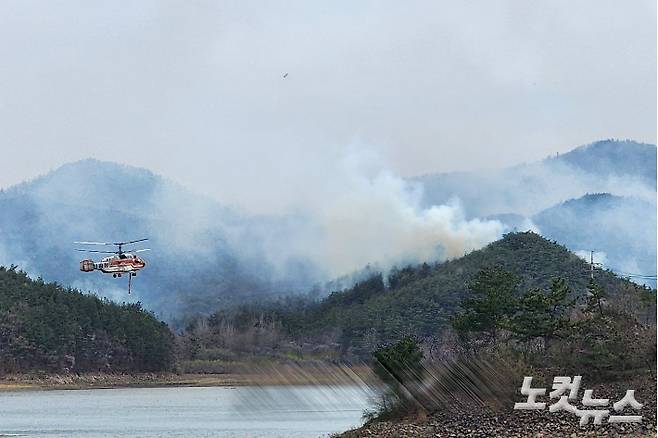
point(247, 411)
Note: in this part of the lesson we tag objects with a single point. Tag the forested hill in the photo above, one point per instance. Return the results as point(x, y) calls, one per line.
point(224, 257)
point(421, 300)
point(44, 327)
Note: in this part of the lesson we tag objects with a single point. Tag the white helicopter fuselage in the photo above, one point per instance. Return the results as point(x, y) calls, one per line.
point(115, 264)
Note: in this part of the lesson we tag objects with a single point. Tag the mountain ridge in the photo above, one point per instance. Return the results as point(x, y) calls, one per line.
point(531, 187)
point(204, 254)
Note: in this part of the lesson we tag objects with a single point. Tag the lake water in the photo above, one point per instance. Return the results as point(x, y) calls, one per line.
point(247, 411)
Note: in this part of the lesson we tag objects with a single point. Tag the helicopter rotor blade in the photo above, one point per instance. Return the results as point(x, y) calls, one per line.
point(111, 243)
point(95, 243)
point(142, 250)
point(129, 242)
point(92, 250)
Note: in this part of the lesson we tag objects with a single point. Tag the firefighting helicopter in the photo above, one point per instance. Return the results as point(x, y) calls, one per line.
point(120, 262)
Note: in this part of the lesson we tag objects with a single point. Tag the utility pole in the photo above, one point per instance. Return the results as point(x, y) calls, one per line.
point(592, 265)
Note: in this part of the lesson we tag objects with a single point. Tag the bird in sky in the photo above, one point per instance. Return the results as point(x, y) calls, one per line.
point(285, 75)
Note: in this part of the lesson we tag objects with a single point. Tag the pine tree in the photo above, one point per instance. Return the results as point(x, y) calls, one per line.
point(543, 314)
point(491, 305)
point(596, 295)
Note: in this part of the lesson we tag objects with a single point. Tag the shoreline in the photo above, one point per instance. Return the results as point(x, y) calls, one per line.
point(325, 374)
point(111, 381)
point(482, 421)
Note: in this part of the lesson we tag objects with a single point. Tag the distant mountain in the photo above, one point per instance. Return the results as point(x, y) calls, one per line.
point(611, 158)
point(554, 197)
point(621, 230)
point(624, 168)
point(203, 255)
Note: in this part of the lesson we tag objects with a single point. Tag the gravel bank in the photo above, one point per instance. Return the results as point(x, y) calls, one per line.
point(527, 423)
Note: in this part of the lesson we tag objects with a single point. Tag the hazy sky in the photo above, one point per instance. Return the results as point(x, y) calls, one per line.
point(194, 89)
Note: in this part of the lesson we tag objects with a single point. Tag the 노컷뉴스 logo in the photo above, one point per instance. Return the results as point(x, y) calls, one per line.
point(563, 384)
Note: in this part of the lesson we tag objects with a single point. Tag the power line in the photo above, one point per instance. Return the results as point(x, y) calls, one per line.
point(593, 266)
point(630, 274)
point(626, 274)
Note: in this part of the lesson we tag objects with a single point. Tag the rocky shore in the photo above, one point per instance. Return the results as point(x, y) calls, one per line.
point(484, 424)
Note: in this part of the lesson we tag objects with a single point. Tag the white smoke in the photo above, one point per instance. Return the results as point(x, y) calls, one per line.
point(366, 215)
point(350, 211)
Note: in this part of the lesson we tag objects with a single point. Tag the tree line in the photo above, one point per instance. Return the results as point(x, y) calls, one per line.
point(45, 327)
point(503, 332)
point(597, 331)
